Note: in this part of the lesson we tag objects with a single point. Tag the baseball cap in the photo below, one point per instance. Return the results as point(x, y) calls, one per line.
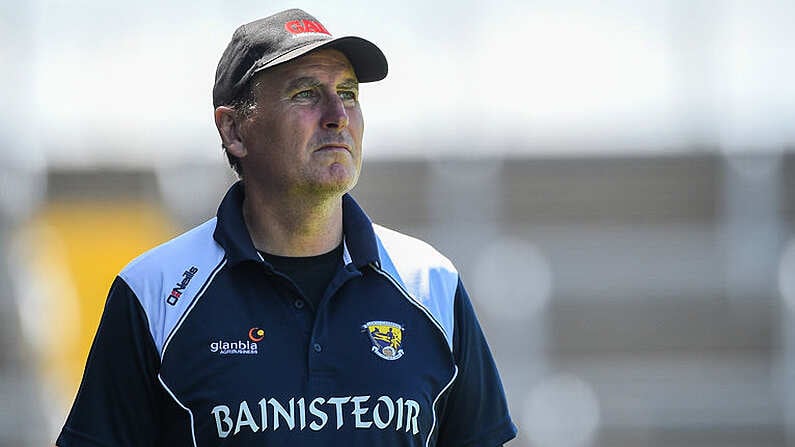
point(282, 37)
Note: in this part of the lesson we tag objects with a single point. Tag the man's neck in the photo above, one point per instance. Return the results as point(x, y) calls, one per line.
point(293, 227)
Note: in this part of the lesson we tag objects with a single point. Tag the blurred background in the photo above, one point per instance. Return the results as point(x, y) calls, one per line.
point(614, 180)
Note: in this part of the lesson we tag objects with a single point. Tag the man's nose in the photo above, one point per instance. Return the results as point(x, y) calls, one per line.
point(335, 116)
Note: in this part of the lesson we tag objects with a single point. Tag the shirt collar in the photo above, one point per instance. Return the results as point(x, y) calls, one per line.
point(231, 233)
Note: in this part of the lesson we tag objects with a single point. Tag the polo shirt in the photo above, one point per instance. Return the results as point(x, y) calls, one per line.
point(203, 343)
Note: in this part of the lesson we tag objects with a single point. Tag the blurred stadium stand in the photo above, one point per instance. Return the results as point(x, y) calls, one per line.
point(628, 301)
point(662, 324)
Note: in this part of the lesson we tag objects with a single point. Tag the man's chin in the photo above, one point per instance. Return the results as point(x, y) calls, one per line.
point(334, 187)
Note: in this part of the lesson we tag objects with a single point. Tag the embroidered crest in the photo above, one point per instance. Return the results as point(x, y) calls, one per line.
point(386, 337)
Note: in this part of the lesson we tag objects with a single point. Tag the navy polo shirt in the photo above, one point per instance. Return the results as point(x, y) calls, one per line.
point(203, 343)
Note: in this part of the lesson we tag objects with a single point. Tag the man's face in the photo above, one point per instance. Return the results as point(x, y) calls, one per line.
point(305, 134)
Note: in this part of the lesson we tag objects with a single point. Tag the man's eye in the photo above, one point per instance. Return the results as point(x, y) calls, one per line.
point(347, 95)
point(304, 94)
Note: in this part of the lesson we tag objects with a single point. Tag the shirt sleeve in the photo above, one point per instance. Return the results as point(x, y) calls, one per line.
point(476, 410)
point(117, 403)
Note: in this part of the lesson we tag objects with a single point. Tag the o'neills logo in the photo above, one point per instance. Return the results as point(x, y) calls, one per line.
point(233, 347)
point(305, 26)
point(320, 413)
point(176, 292)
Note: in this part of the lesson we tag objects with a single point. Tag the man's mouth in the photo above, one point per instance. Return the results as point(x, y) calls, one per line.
point(335, 147)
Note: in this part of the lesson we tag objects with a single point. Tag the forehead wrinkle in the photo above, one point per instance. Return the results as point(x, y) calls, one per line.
point(302, 82)
point(312, 82)
point(323, 71)
point(326, 60)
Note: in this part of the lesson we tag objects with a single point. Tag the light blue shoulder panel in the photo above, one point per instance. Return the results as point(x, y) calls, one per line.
point(426, 275)
point(184, 264)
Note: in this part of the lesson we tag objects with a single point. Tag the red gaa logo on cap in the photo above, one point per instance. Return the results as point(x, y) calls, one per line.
point(305, 26)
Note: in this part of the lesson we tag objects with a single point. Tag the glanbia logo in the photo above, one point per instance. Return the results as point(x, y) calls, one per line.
point(239, 347)
point(256, 334)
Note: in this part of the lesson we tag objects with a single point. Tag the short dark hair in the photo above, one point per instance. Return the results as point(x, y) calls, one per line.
point(243, 103)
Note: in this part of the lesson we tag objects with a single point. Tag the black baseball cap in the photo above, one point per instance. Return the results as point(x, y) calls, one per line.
point(282, 37)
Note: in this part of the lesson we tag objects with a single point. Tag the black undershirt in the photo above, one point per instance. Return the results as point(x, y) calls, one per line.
point(311, 274)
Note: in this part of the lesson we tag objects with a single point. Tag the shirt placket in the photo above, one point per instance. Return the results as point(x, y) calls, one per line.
point(321, 366)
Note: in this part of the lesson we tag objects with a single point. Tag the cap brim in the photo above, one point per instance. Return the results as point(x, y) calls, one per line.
point(367, 59)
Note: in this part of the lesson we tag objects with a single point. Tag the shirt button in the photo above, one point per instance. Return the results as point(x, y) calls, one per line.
point(299, 304)
point(317, 347)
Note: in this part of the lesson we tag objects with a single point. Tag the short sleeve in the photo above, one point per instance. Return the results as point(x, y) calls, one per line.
point(118, 400)
point(475, 411)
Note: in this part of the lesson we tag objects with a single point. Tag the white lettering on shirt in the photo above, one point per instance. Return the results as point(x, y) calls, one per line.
point(399, 414)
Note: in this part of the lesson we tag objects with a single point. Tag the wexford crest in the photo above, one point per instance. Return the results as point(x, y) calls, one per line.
point(386, 337)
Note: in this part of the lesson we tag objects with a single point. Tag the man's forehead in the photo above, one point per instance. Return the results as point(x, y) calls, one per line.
point(321, 63)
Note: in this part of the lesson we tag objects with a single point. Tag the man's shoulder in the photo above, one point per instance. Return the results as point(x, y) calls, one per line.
point(410, 251)
point(425, 275)
point(166, 278)
point(190, 249)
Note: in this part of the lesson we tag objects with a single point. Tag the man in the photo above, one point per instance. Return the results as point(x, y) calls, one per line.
point(290, 319)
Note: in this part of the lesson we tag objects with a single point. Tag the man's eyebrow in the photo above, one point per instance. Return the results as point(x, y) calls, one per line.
point(349, 83)
point(301, 83)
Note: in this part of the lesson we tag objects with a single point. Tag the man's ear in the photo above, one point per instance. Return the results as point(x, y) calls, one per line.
point(226, 120)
